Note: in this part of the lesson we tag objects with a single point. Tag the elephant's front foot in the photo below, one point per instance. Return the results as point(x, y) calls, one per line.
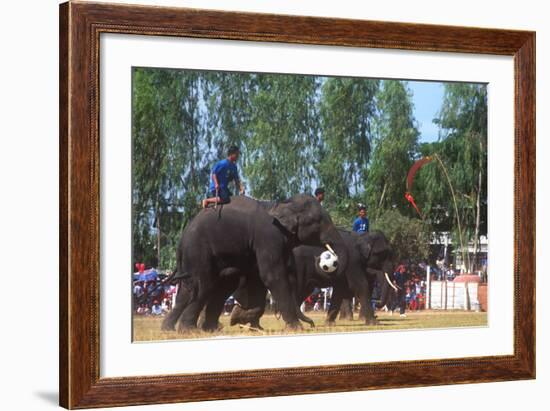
point(330, 323)
point(372, 321)
point(238, 315)
point(168, 326)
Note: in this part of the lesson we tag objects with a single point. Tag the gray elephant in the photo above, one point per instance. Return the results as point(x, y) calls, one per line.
point(370, 261)
point(247, 239)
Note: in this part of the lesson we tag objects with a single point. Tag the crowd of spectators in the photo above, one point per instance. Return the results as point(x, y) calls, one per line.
point(152, 296)
point(415, 290)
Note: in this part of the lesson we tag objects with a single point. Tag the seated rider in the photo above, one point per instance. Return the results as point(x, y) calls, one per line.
point(223, 173)
point(320, 194)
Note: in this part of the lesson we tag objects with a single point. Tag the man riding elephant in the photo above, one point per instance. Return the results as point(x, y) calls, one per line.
point(224, 172)
point(247, 238)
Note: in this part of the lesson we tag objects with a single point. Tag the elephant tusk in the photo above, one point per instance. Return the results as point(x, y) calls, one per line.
point(389, 282)
point(330, 249)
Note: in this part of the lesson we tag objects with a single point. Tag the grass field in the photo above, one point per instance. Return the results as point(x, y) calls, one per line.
point(148, 328)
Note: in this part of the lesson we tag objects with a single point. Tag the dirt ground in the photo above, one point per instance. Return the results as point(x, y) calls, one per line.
point(147, 328)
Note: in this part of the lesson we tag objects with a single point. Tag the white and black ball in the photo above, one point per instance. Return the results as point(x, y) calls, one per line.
point(328, 262)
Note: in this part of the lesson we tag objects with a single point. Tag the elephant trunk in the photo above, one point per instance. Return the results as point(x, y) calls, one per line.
point(387, 288)
point(385, 298)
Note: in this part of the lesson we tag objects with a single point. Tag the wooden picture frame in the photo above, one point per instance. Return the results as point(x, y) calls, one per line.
point(80, 27)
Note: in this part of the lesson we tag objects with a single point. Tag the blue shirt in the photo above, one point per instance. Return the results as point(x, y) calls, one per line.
point(156, 309)
point(225, 171)
point(361, 225)
point(400, 278)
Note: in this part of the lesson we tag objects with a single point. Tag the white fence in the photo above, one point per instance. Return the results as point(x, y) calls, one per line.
point(449, 295)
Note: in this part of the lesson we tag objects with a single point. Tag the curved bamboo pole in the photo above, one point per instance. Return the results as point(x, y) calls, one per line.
point(456, 210)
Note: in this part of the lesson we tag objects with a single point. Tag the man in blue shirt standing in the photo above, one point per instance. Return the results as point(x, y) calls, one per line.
point(361, 223)
point(223, 173)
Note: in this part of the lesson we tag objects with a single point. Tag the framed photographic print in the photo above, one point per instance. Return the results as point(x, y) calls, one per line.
point(255, 205)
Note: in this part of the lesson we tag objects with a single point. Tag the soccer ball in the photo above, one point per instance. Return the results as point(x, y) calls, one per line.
point(328, 262)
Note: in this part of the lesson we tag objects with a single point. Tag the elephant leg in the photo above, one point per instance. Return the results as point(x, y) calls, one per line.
point(365, 297)
point(190, 315)
point(182, 299)
point(275, 279)
point(346, 310)
point(200, 291)
point(243, 316)
point(240, 312)
point(254, 315)
point(251, 296)
point(257, 297)
point(238, 315)
point(338, 294)
point(216, 302)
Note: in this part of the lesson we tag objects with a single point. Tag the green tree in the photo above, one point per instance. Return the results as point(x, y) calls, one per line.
point(228, 99)
point(396, 145)
point(409, 237)
point(169, 168)
point(356, 137)
point(347, 113)
point(282, 135)
point(462, 148)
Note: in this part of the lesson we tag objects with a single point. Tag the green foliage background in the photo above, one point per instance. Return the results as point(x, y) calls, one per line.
point(355, 137)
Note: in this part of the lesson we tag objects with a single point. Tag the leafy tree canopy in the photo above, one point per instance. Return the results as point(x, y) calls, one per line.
point(355, 137)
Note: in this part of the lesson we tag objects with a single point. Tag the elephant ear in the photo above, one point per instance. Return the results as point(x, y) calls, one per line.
point(365, 248)
point(285, 216)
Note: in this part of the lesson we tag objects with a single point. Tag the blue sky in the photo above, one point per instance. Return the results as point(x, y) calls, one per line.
point(427, 99)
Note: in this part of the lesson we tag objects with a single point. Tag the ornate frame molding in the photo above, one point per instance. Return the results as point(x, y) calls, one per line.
point(81, 24)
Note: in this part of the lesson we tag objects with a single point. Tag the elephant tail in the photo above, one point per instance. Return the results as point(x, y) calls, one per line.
point(175, 277)
point(178, 277)
point(172, 278)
